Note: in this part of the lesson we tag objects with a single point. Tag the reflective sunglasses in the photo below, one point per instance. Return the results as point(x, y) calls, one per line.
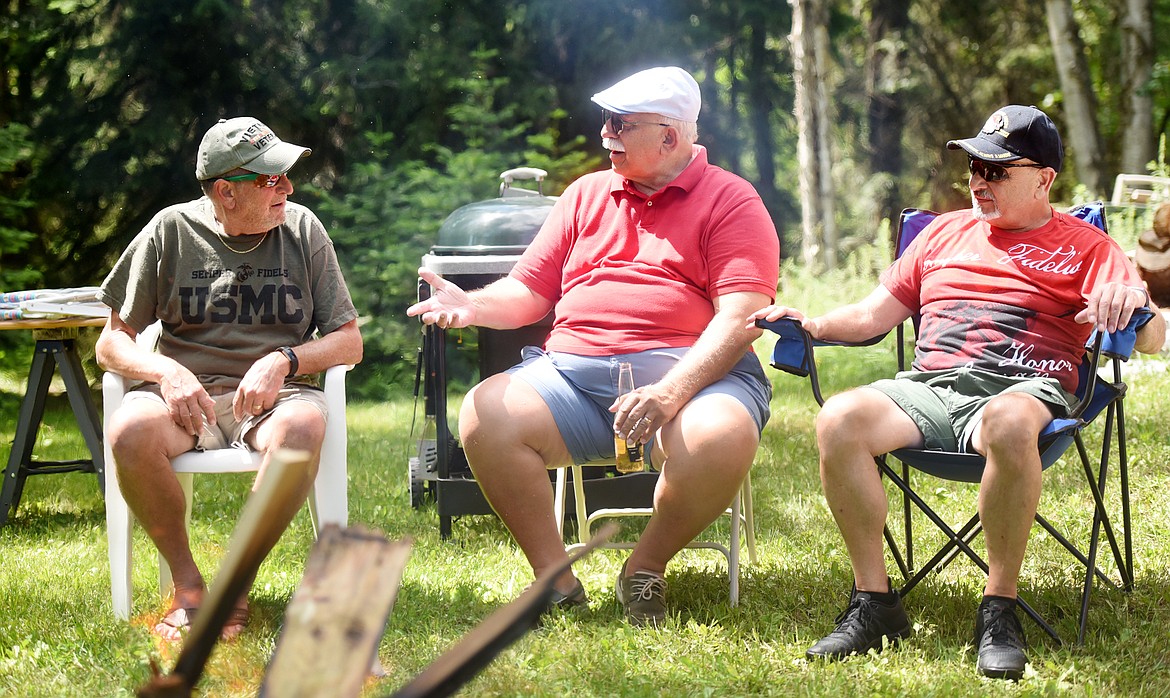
point(261, 180)
point(995, 172)
point(616, 123)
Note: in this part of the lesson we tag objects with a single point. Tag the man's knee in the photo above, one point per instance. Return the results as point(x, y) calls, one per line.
point(717, 428)
point(1014, 420)
point(502, 406)
point(297, 424)
point(482, 404)
point(843, 418)
point(136, 433)
point(863, 421)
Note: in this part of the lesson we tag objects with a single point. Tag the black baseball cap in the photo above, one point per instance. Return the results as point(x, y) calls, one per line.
point(1013, 133)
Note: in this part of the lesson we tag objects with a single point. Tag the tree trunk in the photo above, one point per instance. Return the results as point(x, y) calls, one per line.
point(1137, 66)
point(760, 112)
point(885, 63)
point(809, 51)
point(1080, 105)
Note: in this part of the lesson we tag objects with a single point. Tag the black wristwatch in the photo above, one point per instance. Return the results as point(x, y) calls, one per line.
point(293, 363)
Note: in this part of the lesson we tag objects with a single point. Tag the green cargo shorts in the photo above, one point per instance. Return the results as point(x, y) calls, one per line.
point(948, 405)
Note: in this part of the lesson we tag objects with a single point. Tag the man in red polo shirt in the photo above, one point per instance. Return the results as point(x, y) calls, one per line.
point(654, 262)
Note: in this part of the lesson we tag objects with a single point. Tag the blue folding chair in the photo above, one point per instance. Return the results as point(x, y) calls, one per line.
point(1100, 398)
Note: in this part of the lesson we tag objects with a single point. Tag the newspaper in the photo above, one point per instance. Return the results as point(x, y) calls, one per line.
point(52, 303)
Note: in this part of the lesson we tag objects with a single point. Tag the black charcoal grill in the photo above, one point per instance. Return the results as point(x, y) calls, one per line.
point(478, 244)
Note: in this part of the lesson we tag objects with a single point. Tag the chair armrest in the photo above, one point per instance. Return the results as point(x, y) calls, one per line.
point(334, 387)
point(114, 389)
point(793, 351)
point(1117, 346)
point(1120, 343)
point(789, 330)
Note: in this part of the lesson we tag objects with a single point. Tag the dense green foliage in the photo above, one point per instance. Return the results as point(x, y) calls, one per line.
point(389, 217)
point(413, 107)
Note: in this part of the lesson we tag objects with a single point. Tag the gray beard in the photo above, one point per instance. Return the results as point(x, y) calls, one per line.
point(985, 216)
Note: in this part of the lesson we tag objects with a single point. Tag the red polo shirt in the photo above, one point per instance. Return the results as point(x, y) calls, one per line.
point(629, 272)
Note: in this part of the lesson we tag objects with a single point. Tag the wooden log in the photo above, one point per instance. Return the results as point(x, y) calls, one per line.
point(239, 566)
point(337, 616)
point(479, 647)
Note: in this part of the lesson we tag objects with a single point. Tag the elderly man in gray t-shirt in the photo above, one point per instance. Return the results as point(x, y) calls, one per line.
point(240, 281)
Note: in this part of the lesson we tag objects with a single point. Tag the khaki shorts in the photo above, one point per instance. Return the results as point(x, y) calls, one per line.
point(948, 405)
point(227, 431)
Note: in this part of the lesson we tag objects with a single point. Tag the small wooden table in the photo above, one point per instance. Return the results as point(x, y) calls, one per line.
point(55, 348)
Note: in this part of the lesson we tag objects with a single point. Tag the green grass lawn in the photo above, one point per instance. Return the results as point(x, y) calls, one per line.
point(58, 637)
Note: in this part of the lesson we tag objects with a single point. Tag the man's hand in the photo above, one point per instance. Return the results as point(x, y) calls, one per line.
point(776, 312)
point(186, 399)
point(1111, 305)
point(260, 386)
point(642, 411)
point(448, 306)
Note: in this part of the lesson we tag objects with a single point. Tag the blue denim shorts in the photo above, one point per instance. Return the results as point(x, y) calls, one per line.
point(579, 390)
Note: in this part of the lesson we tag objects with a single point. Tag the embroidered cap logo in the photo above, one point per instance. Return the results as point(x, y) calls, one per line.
point(257, 135)
point(997, 124)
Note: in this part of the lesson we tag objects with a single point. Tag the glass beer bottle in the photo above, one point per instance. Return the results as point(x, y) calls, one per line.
point(629, 452)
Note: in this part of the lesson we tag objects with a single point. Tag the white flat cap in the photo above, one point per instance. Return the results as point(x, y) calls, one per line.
point(668, 91)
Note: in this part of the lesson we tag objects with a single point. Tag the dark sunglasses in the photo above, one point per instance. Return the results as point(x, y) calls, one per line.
point(261, 180)
point(994, 172)
point(616, 123)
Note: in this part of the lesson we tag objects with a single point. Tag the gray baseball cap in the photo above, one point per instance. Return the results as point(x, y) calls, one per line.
point(244, 142)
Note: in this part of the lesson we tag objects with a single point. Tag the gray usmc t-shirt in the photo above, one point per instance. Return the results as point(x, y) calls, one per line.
point(226, 301)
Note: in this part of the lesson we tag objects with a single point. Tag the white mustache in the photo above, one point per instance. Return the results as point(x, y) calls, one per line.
point(613, 144)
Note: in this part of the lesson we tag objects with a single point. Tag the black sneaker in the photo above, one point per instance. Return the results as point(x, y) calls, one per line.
point(866, 624)
point(999, 639)
point(574, 599)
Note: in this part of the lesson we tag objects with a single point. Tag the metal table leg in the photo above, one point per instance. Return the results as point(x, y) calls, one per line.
point(47, 355)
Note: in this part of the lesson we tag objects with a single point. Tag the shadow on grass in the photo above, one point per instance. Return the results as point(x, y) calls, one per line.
point(33, 520)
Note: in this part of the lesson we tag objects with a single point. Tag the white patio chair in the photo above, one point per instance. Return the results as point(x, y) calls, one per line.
point(328, 501)
point(740, 511)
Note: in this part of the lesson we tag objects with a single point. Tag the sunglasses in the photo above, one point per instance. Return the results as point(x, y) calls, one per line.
point(616, 123)
point(261, 180)
point(993, 172)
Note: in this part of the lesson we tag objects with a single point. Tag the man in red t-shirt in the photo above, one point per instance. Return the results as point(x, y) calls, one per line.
point(1008, 291)
point(654, 262)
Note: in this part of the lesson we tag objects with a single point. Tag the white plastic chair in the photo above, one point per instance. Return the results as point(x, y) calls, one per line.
point(740, 512)
point(1140, 189)
point(328, 502)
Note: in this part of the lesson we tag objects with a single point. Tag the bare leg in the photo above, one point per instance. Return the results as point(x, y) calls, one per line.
point(706, 452)
point(293, 425)
point(511, 439)
point(853, 428)
point(1010, 489)
point(143, 439)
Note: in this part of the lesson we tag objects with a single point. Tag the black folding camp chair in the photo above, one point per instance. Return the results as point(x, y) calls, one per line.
point(1100, 398)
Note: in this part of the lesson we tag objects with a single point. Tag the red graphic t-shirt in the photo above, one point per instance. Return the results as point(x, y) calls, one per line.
point(1001, 301)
